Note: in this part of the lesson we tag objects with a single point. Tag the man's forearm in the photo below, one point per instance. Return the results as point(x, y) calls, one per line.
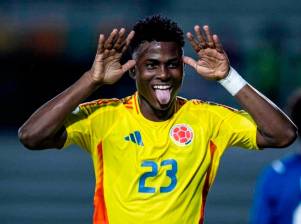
point(274, 127)
point(48, 120)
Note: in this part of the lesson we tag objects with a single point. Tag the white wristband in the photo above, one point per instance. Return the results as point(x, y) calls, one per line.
point(233, 82)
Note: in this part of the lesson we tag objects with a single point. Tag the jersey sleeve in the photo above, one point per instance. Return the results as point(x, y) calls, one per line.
point(241, 130)
point(90, 122)
point(236, 128)
point(78, 129)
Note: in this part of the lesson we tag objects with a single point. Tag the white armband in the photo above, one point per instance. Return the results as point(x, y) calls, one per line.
point(233, 82)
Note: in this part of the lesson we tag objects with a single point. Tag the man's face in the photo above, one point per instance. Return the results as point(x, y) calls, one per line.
point(158, 74)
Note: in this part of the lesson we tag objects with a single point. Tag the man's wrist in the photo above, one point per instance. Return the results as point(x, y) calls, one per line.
point(233, 82)
point(92, 81)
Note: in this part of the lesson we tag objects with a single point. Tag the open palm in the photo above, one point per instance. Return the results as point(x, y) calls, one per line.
point(107, 68)
point(213, 62)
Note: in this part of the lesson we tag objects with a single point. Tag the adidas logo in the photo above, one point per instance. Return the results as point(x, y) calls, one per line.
point(134, 137)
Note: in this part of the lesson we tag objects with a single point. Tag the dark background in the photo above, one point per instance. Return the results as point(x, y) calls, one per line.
point(47, 45)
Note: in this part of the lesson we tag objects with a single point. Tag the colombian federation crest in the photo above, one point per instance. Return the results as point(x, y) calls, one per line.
point(181, 134)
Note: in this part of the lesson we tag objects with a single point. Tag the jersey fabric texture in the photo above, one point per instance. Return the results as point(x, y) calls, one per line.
point(278, 193)
point(155, 172)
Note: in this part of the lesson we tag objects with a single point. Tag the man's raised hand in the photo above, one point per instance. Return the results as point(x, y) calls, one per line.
point(106, 68)
point(213, 63)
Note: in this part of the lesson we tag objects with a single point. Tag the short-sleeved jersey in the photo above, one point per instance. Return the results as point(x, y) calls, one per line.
point(155, 172)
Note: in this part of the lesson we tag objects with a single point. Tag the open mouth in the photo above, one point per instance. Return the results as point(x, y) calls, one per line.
point(163, 93)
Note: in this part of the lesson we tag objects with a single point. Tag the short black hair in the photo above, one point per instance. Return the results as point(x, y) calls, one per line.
point(294, 108)
point(156, 28)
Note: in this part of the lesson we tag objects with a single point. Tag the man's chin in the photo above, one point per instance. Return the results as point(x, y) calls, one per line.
point(165, 106)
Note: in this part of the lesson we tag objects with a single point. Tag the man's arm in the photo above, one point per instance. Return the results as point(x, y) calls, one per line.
point(44, 129)
point(275, 129)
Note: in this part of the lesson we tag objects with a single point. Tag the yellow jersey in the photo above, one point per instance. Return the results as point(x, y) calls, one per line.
point(155, 172)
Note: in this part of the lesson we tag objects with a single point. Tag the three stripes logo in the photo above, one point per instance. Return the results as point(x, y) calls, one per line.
point(134, 137)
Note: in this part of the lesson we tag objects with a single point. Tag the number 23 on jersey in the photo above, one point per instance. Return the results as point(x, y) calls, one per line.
point(171, 167)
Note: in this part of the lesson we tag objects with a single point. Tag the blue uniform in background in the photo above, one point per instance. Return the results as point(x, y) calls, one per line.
point(278, 193)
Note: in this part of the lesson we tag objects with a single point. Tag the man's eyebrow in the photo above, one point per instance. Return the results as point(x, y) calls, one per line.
point(152, 60)
point(174, 59)
point(157, 60)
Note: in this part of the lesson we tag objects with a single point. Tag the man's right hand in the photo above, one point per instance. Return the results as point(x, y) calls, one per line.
point(106, 68)
point(45, 127)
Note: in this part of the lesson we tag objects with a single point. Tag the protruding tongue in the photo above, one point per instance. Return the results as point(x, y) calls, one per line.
point(163, 95)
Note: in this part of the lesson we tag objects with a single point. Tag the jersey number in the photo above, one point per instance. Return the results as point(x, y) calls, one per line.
point(171, 173)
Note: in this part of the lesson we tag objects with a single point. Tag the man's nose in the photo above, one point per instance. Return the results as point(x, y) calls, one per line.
point(164, 73)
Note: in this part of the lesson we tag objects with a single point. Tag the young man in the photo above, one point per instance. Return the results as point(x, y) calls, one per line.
point(155, 154)
point(278, 193)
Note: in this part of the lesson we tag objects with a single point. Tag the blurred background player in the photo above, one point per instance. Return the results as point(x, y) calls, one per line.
point(278, 194)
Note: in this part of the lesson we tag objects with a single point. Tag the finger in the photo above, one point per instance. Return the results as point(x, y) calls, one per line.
point(109, 41)
point(98, 58)
point(200, 36)
point(190, 61)
point(209, 36)
point(111, 52)
point(192, 41)
point(100, 46)
point(127, 66)
point(128, 41)
point(120, 40)
point(217, 43)
point(106, 53)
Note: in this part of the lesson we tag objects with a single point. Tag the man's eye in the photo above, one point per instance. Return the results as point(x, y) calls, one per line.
point(173, 65)
point(150, 66)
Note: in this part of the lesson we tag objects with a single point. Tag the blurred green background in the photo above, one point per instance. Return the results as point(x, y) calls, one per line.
point(46, 45)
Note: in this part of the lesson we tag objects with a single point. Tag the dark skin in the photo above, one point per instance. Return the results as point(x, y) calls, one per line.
point(158, 63)
point(275, 129)
point(155, 63)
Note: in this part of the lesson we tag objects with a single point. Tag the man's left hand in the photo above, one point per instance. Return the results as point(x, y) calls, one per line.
point(213, 63)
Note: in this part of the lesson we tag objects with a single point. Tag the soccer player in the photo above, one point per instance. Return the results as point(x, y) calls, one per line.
point(155, 154)
point(278, 194)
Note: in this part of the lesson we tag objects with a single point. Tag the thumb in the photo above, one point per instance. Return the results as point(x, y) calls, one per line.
point(128, 65)
point(190, 61)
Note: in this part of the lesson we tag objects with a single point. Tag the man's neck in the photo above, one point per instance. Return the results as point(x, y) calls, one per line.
point(153, 114)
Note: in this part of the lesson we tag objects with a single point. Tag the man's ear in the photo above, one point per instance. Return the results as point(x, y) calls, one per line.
point(132, 73)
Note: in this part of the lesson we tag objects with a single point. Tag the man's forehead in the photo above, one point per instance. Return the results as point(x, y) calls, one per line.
point(156, 47)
